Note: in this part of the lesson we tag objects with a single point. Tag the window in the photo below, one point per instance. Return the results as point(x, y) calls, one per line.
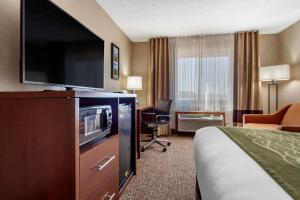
point(205, 83)
point(202, 73)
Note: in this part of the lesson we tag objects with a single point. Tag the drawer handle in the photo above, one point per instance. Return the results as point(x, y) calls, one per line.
point(100, 167)
point(111, 197)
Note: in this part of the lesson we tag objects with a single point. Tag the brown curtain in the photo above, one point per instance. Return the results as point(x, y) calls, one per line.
point(159, 64)
point(159, 70)
point(246, 79)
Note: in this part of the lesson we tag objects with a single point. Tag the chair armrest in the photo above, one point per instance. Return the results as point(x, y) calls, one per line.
point(274, 118)
point(290, 128)
point(148, 113)
point(158, 116)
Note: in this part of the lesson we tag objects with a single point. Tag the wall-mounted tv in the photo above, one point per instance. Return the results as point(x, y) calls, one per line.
point(57, 50)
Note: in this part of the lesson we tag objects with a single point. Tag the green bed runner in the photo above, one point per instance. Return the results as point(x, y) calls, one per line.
point(277, 152)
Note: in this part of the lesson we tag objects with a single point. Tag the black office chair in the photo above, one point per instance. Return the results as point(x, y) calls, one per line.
point(159, 116)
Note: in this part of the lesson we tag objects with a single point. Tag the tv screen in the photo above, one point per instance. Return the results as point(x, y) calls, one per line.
point(57, 49)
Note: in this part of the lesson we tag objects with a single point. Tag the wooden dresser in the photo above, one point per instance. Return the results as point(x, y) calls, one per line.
point(40, 155)
point(99, 171)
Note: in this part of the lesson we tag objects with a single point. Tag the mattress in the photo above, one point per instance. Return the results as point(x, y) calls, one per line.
point(225, 172)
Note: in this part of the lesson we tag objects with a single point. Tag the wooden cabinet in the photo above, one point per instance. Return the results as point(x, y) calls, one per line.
point(109, 190)
point(39, 148)
point(97, 165)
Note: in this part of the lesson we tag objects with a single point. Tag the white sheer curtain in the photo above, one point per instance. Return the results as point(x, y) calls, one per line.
point(201, 69)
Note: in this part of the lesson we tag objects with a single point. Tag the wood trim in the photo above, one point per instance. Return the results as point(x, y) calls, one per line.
point(77, 151)
point(64, 94)
point(197, 112)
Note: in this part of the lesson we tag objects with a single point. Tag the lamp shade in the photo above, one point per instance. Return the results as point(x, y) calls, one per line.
point(274, 73)
point(134, 83)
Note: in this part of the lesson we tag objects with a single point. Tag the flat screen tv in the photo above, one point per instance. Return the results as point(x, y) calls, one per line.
point(57, 50)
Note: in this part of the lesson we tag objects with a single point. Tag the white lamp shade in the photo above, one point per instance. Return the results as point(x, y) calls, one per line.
point(274, 73)
point(134, 83)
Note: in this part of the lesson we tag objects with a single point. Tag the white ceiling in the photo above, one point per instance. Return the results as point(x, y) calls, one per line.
point(143, 19)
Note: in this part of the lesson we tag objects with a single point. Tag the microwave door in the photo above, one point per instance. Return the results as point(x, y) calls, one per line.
point(92, 124)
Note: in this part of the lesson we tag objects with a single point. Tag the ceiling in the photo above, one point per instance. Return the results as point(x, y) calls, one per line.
point(143, 19)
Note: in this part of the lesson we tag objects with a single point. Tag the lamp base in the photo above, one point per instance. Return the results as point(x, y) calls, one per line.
point(269, 96)
point(136, 99)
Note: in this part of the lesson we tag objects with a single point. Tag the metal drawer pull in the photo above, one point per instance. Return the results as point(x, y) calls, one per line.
point(111, 197)
point(100, 167)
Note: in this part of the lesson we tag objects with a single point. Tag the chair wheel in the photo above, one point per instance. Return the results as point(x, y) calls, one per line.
point(169, 143)
point(164, 149)
point(143, 149)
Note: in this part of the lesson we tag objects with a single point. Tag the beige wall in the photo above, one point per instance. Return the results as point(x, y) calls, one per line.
point(269, 49)
point(141, 67)
point(282, 48)
point(269, 55)
point(289, 41)
point(87, 12)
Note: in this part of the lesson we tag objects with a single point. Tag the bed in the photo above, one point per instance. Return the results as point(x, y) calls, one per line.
point(225, 171)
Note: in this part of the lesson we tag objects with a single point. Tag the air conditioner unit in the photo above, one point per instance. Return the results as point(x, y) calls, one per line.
point(191, 122)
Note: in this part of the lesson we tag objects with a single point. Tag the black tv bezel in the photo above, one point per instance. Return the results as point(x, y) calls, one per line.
point(22, 53)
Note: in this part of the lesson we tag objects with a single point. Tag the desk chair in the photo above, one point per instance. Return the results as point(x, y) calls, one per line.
point(159, 116)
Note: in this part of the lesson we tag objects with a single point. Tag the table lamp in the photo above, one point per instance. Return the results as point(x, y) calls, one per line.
point(272, 74)
point(134, 83)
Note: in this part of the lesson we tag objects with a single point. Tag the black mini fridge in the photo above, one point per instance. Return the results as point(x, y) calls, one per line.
point(126, 142)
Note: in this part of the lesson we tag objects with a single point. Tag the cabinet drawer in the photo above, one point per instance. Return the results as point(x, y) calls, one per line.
point(97, 165)
point(109, 190)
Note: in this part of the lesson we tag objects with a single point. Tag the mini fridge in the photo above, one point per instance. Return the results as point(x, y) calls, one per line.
point(126, 142)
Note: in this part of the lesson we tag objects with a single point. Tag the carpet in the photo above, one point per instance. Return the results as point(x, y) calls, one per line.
point(165, 175)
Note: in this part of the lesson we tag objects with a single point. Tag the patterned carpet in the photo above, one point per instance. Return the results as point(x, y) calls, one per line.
point(165, 175)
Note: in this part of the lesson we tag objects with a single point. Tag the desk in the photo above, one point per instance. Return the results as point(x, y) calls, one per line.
point(140, 110)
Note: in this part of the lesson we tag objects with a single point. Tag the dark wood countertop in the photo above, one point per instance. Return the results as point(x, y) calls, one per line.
point(65, 94)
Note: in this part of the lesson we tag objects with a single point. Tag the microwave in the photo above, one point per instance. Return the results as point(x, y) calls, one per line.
point(95, 123)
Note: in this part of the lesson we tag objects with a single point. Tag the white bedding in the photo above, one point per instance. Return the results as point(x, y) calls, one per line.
point(226, 172)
